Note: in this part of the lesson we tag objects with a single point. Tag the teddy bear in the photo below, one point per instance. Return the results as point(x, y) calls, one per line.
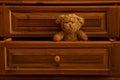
point(70, 28)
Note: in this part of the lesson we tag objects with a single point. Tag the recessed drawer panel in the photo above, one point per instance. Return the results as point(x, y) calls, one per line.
point(73, 58)
point(61, 59)
point(39, 21)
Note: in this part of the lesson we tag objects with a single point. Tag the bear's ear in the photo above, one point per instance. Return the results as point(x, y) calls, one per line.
point(60, 19)
point(81, 20)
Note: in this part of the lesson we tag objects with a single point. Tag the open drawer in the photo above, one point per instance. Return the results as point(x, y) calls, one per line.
point(48, 57)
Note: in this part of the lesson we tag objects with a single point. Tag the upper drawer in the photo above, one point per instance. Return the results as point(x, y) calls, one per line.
point(39, 21)
point(1, 22)
point(118, 21)
point(86, 58)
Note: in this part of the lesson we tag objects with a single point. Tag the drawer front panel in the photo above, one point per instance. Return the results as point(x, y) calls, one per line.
point(40, 21)
point(1, 22)
point(76, 60)
point(1, 57)
point(44, 58)
point(119, 20)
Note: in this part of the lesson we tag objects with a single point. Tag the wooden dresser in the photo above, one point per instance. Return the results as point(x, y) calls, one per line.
point(28, 52)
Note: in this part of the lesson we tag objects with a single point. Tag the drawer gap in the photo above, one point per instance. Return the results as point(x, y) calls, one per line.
point(117, 39)
point(1, 38)
point(64, 3)
point(98, 39)
point(33, 39)
point(51, 39)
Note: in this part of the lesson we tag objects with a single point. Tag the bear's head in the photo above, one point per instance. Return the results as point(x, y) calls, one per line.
point(70, 23)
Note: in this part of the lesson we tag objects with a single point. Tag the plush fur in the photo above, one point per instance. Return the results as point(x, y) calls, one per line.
point(71, 28)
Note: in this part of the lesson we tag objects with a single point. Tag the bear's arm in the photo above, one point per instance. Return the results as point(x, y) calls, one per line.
point(82, 35)
point(58, 36)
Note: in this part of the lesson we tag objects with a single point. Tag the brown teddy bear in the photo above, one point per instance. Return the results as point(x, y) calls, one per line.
point(70, 25)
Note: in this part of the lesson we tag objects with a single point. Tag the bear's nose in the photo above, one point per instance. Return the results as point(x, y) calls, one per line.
point(70, 25)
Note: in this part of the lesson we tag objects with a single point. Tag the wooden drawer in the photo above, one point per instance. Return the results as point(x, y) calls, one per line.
point(85, 58)
point(1, 22)
point(118, 21)
point(39, 21)
point(116, 59)
point(1, 56)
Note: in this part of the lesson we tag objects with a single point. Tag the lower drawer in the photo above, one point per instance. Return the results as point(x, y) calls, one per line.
point(1, 56)
point(90, 58)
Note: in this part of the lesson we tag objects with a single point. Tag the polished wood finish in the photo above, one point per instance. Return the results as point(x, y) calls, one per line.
point(118, 19)
point(61, 1)
point(31, 22)
point(27, 51)
point(91, 58)
point(58, 77)
point(116, 59)
point(1, 22)
point(1, 57)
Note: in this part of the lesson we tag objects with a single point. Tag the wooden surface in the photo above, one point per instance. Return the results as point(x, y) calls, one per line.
point(29, 21)
point(24, 57)
point(56, 78)
point(1, 23)
point(90, 58)
point(60, 1)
